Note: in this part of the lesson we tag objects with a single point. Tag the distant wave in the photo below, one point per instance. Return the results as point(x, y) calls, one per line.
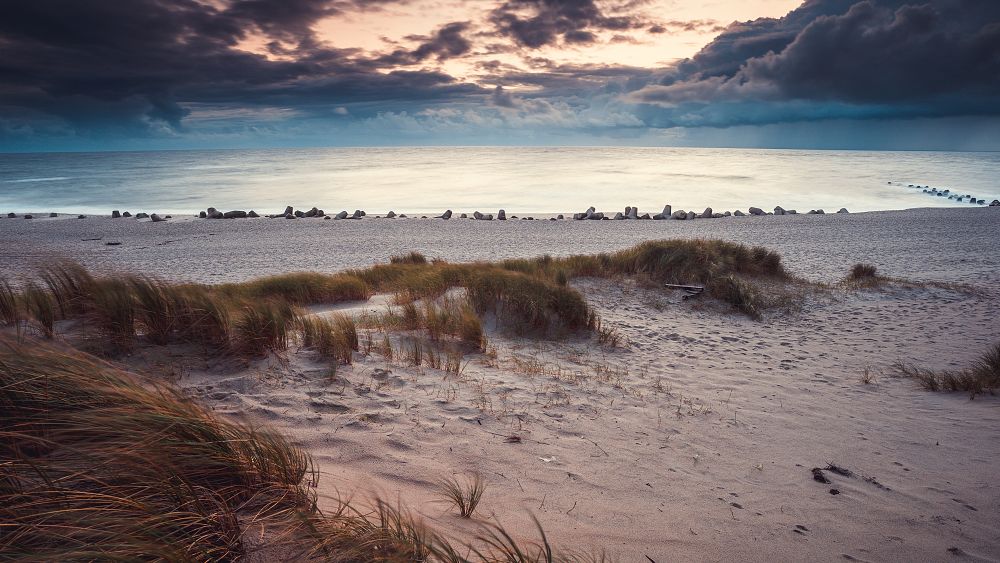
point(26, 180)
point(711, 176)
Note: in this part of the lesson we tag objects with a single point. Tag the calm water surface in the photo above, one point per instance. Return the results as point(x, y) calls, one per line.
point(538, 180)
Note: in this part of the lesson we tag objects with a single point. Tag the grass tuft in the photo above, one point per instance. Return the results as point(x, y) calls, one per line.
point(264, 328)
point(465, 497)
point(410, 258)
point(983, 376)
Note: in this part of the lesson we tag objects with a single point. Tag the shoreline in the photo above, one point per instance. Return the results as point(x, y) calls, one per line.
point(187, 215)
point(216, 251)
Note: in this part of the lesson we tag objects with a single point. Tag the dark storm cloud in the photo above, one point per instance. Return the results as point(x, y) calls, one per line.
point(447, 42)
point(537, 23)
point(139, 63)
point(836, 58)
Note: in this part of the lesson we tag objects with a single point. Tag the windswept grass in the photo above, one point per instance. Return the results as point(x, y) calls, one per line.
point(728, 271)
point(42, 308)
point(410, 258)
point(465, 497)
point(336, 338)
point(263, 328)
point(301, 288)
point(99, 464)
point(863, 275)
point(983, 376)
point(10, 313)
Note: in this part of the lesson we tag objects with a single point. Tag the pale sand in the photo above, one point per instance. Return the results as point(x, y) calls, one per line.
point(702, 410)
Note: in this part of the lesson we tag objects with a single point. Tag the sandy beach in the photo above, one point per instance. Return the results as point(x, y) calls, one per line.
point(694, 439)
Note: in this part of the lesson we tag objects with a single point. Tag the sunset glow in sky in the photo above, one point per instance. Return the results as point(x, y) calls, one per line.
point(97, 75)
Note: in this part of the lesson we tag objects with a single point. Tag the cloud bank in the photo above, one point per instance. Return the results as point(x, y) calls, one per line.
point(87, 71)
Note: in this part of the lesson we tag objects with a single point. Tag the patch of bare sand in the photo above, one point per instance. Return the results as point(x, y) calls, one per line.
point(695, 440)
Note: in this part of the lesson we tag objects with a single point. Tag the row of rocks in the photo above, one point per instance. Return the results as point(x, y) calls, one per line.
point(156, 218)
point(955, 196)
point(668, 213)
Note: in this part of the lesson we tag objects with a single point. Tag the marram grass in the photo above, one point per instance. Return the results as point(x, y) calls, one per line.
point(97, 464)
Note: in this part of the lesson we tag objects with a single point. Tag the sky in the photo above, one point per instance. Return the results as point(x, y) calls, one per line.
point(80, 75)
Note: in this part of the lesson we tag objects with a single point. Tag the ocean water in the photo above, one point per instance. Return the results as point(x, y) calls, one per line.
point(520, 180)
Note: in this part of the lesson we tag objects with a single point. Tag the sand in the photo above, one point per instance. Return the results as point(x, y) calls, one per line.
point(692, 441)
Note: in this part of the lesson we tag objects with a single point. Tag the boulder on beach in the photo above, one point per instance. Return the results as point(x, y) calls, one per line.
point(717, 215)
point(252, 214)
point(739, 213)
point(445, 215)
point(645, 216)
point(463, 216)
point(156, 218)
point(238, 214)
point(126, 214)
point(312, 212)
point(391, 215)
point(81, 216)
point(596, 216)
point(142, 216)
point(501, 215)
point(358, 214)
point(11, 215)
point(756, 211)
point(619, 216)
point(727, 214)
point(203, 215)
point(778, 210)
point(559, 217)
point(707, 214)
point(477, 216)
point(300, 214)
point(691, 215)
point(665, 214)
point(114, 214)
point(53, 214)
point(843, 210)
point(341, 215)
point(632, 213)
point(289, 210)
point(29, 216)
point(585, 215)
point(791, 212)
point(679, 214)
point(995, 203)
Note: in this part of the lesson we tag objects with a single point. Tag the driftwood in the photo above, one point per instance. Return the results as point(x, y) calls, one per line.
point(692, 289)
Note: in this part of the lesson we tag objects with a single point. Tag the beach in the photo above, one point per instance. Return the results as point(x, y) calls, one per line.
point(694, 438)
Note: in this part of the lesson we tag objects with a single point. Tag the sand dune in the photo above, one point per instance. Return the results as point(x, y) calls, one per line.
point(695, 439)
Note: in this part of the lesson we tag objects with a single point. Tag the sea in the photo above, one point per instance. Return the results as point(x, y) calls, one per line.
point(517, 179)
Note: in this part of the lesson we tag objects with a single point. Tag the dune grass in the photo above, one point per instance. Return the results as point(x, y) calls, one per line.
point(525, 296)
point(982, 376)
point(465, 497)
point(863, 276)
point(10, 313)
point(263, 328)
point(100, 464)
point(300, 288)
point(335, 338)
point(728, 271)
